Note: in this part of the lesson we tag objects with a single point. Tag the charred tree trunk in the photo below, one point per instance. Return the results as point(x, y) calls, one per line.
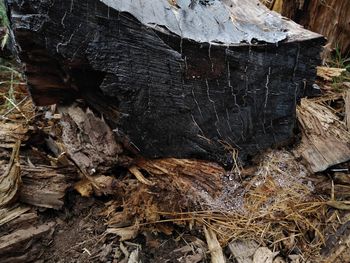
point(186, 79)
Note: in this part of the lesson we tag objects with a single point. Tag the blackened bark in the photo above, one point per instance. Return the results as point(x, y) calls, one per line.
point(182, 79)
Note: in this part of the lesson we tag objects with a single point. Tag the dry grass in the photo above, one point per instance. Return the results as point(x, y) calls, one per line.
point(15, 103)
point(280, 211)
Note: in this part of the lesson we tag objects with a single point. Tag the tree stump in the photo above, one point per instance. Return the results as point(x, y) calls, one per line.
point(178, 78)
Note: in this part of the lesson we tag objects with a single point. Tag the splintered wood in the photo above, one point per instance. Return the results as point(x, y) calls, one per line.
point(10, 180)
point(325, 139)
point(12, 212)
point(45, 186)
point(17, 246)
point(347, 108)
point(328, 74)
point(165, 185)
point(187, 174)
point(217, 256)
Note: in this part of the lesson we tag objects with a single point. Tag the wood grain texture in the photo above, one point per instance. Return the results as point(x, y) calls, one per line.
point(164, 94)
point(17, 246)
point(330, 18)
point(45, 186)
point(325, 139)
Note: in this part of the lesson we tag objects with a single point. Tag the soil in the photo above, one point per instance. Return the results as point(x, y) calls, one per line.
point(78, 230)
point(79, 237)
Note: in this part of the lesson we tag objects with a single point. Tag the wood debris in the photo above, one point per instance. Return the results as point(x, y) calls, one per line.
point(10, 180)
point(243, 250)
point(188, 174)
point(193, 252)
point(347, 108)
point(336, 249)
point(45, 186)
point(11, 213)
point(341, 254)
point(16, 247)
point(11, 132)
point(215, 249)
point(134, 256)
point(93, 152)
point(100, 185)
point(325, 139)
point(264, 255)
point(125, 233)
point(328, 73)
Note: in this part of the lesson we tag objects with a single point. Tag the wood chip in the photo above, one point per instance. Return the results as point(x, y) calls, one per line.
point(137, 173)
point(125, 233)
point(347, 109)
point(215, 249)
point(279, 260)
point(196, 258)
point(243, 250)
point(84, 188)
point(91, 151)
point(98, 185)
point(264, 255)
point(134, 256)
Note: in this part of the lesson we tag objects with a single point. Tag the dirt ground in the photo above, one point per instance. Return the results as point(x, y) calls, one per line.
point(79, 237)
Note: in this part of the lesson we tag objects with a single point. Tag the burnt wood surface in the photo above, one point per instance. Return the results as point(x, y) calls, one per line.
point(186, 79)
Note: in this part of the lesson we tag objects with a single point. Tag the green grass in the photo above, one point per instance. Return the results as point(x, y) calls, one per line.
point(4, 23)
point(9, 76)
point(3, 16)
point(339, 60)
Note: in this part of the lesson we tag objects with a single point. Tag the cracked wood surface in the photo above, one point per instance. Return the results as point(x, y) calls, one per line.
point(226, 22)
point(45, 186)
point(164, 94)
point(17, 246)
